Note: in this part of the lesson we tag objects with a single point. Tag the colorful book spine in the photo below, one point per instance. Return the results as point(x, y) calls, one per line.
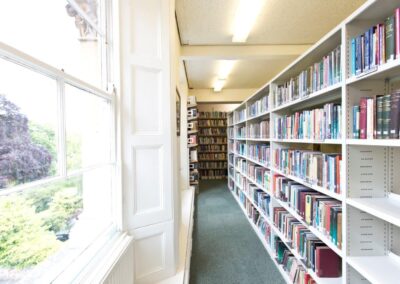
point(363, 118)
point(356, 122)
point(379, 117)
point(394, 115)
point(386, 117)
point(389, 39)
point(397, 31)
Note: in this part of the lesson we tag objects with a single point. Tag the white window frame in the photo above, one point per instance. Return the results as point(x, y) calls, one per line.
point(109, 64)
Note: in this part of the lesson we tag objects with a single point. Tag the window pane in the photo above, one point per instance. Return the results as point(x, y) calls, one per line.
point(44, 229)
point(53, 31)
point(88, 129)
point(28, 125)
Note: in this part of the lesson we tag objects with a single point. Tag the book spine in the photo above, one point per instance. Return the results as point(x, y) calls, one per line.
point(397, 31)
point(394, 115)
point(366, 51)
point(363, 118)
point(386, 117)
point(389, 38)
point(356, 122)
point(379, 117)
point(370, 119)
point(358, 55)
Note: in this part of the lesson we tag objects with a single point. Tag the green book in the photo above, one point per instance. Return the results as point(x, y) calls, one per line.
point(390, 40)
point(386, 117)
point(379, 117)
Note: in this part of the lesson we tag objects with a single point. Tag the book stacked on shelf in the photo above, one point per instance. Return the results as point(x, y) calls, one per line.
point(258, 107)
point(377, 117)
point(192, 113)
point(213, 165)
point(231, 132)
point(213, 148)
point(239, 115)
point(314, 208)
point(192, 140)
point(240, 132)
point(231, 158)
point(231, 183)
point(212, 140)
point(376, 46)
point(212, 156)
point(259, 174)
point(260, 153)
point(212, 114)
point(241, 148)
point(213, 123)
point(231, 146)
point(291, 265)
point(317, 124)
point(213, 131)
point(320, 75)
point(317, 255)
point(315, 168)
point(259, 197)
point(211, 174)
point(259, 130)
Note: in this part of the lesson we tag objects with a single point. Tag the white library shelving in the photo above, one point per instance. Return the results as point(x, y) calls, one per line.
point(368, 171)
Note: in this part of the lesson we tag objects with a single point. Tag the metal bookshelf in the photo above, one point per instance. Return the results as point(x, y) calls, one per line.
point(369, 171)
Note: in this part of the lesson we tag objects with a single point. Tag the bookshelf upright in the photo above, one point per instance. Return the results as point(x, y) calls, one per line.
point(324, 202)
point(193, 131)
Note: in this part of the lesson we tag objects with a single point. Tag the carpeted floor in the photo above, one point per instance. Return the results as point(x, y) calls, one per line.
point(226, 250)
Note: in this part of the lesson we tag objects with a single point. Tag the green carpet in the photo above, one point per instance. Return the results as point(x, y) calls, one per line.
point(225, 247)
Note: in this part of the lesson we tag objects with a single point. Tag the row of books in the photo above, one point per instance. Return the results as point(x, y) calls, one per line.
point(240, 132)
point(193, 125)
point(213, 165)
point(213, 131)
point(212, 122)
point(231, 159)
point(211, 174)
point(213, 140)
point(213, 148)
point(231, 171)
point(192, 113)
point(260, 153)
point(212, 114)
point(376, 46)
point(258, 107)
point(239, 115)
point(297, 273)
point(318, 210)
point(259, 129)
point(259, 174)
point(320, 75)
point(212, 156)
point(377, 117)
point(316, 168)
point(317, 255)
point(240, 148)
point(193, 156)
point(231, 146)
point(192, 139)
point(290, 263)
point(231, 132)
point(317, 124)
point(231, 183)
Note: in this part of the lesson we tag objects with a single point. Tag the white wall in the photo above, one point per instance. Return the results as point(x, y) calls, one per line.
point(226, 95)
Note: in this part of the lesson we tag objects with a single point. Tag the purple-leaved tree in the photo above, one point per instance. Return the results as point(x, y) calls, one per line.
point(20, 159)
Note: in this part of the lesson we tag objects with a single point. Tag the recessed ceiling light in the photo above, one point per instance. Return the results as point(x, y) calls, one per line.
point(225, 68)
point(246, 15)
point(219, 84)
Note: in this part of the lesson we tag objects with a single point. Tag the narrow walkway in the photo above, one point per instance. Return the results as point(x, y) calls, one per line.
point(226, 250)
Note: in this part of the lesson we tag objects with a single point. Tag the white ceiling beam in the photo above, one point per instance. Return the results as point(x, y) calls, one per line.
point(240, 52)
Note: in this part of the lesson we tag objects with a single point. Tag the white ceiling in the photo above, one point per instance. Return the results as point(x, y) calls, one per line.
point(281, 22)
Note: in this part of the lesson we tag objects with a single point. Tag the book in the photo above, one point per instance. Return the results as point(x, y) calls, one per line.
point(363, 118)
point(386, 117)
point(379, 117)
point(394, 115)
point(356, 122)
point(389, 39)
point(397, 31)
point(328, 263)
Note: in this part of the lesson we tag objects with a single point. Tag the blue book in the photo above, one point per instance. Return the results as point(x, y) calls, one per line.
point(371, 47)
point(366, 50)
point(353, 56)
point(358, 55)
point(356, 119)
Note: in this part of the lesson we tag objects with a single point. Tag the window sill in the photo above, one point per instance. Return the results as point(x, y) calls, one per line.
point(96, 263)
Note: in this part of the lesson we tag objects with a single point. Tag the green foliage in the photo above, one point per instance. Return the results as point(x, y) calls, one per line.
point(65, 205)
point(74, 152)
point(24, 241)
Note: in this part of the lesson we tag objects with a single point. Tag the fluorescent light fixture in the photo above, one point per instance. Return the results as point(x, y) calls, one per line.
point(218, 85)
point(225, 68)
point(246, 16)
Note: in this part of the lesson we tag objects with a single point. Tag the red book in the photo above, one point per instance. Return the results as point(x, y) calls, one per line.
point(363, 118)
point(397, 31)
point(327, 263)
